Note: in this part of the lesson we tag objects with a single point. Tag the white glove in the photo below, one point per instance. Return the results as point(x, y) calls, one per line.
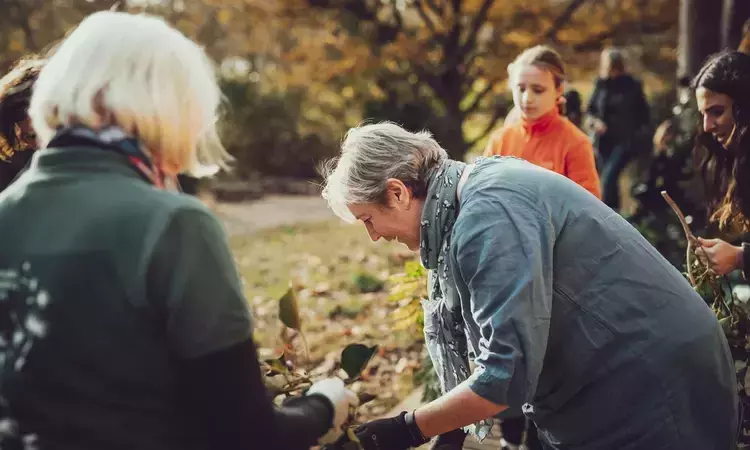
point(342, 400)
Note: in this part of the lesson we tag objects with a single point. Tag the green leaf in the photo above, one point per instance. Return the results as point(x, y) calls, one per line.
point(277, 366)
point(366, 283)
point(355, 357)
point(414, 269)
point(289, 310)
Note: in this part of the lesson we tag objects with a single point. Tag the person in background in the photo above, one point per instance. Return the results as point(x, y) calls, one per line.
point(17, 138)
point(572, 106)
point(141, 336)
point(565, 309)
point(722, 152)
point(542, 135)
point(744, 46)
point(618, 117)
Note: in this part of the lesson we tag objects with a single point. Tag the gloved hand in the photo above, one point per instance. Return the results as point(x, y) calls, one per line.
point(342, 400)
point(393, 433)
point(452, 440)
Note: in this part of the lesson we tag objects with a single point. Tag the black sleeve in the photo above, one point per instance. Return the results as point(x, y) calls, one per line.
point(746, 260)
point(642, 109)
point(193, 280)
point(592, 107)
point(227, 401)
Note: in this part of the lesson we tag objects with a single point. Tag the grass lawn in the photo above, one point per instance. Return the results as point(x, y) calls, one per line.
point(329, 263)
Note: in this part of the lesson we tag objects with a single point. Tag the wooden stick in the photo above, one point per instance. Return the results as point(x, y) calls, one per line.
point(691, 241)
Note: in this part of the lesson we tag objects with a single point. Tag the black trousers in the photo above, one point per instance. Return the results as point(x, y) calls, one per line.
point(513, 429)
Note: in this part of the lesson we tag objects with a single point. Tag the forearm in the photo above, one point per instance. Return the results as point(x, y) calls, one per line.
point(743, 259)
point(458, 408)
point(230, 407)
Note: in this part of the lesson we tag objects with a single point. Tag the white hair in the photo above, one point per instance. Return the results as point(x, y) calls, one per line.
point(141, 74)
point(370, 155)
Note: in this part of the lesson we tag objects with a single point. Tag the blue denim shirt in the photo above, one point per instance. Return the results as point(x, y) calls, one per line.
point(573, 317)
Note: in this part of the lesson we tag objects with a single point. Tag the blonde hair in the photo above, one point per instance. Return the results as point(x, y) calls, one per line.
point(542, 57)
point(139, 73)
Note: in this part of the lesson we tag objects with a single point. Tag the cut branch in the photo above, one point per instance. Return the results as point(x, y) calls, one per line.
point(691, 241)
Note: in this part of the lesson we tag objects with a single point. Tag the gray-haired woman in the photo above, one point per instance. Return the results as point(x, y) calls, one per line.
point(567, 312)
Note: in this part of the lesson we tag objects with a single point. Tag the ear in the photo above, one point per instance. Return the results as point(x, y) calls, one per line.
point(399, 195)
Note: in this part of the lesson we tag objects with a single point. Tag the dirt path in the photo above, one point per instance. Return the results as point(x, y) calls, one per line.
point(270, 212)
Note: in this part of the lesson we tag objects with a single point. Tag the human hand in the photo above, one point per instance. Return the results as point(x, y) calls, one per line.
point(342, 400)
point(453, 440)
point(599, 126)
point(720, 256)
point(394, 433)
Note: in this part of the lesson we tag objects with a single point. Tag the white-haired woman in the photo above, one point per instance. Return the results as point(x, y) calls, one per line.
point(568, 313)
point(147, 340)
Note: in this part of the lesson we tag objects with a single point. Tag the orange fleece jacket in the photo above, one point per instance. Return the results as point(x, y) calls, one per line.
point(552, 142)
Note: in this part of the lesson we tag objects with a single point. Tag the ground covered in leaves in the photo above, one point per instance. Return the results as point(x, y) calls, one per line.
point(343, 283)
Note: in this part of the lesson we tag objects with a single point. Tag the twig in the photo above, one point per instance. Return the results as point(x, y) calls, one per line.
point(691, 241)
point(308, 359)
point(293, 388)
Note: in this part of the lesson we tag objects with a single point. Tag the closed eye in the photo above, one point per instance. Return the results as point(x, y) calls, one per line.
point(715, 111)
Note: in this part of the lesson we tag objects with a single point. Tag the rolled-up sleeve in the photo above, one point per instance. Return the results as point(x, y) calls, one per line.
point(503, 255)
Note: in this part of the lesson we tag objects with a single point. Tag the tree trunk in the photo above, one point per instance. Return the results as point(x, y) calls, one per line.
point(700, 24)
point(736, 12)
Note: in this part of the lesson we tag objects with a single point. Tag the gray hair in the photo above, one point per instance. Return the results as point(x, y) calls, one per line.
point(612, 58)
point(373, 153)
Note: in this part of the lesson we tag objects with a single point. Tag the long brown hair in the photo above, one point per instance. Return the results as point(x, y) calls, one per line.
point(15, 94)
point(726, 168)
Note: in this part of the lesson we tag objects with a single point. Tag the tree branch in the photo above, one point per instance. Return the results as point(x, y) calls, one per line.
point(456, 6)
point(476, 25)
point(425, 18)
point(595, 42)
point(551, 34)
point(397, 16)
point(438, 9)
point(469, 64)
point(478, 99)
point(496, 115)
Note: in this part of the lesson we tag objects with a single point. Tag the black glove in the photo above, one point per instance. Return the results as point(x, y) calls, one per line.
point(393, 433)
point(452, 440)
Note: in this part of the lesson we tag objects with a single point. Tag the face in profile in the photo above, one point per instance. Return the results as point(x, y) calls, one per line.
point(398, 220)
point(716, 111)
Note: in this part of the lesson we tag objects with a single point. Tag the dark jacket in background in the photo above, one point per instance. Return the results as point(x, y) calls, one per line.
point(621, 104)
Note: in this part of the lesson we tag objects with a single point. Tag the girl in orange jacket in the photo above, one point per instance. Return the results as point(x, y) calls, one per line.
point(541, 135)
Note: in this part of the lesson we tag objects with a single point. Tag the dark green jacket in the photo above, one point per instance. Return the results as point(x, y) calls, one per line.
point(138, 279)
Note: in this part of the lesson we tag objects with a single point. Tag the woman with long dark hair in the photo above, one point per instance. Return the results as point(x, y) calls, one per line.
point(17, 138)
point(722, 150)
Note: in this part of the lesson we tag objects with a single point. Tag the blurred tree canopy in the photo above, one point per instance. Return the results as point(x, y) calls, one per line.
point(298, 73)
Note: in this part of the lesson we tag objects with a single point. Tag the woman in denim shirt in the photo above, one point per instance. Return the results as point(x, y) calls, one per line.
point(566, 310)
